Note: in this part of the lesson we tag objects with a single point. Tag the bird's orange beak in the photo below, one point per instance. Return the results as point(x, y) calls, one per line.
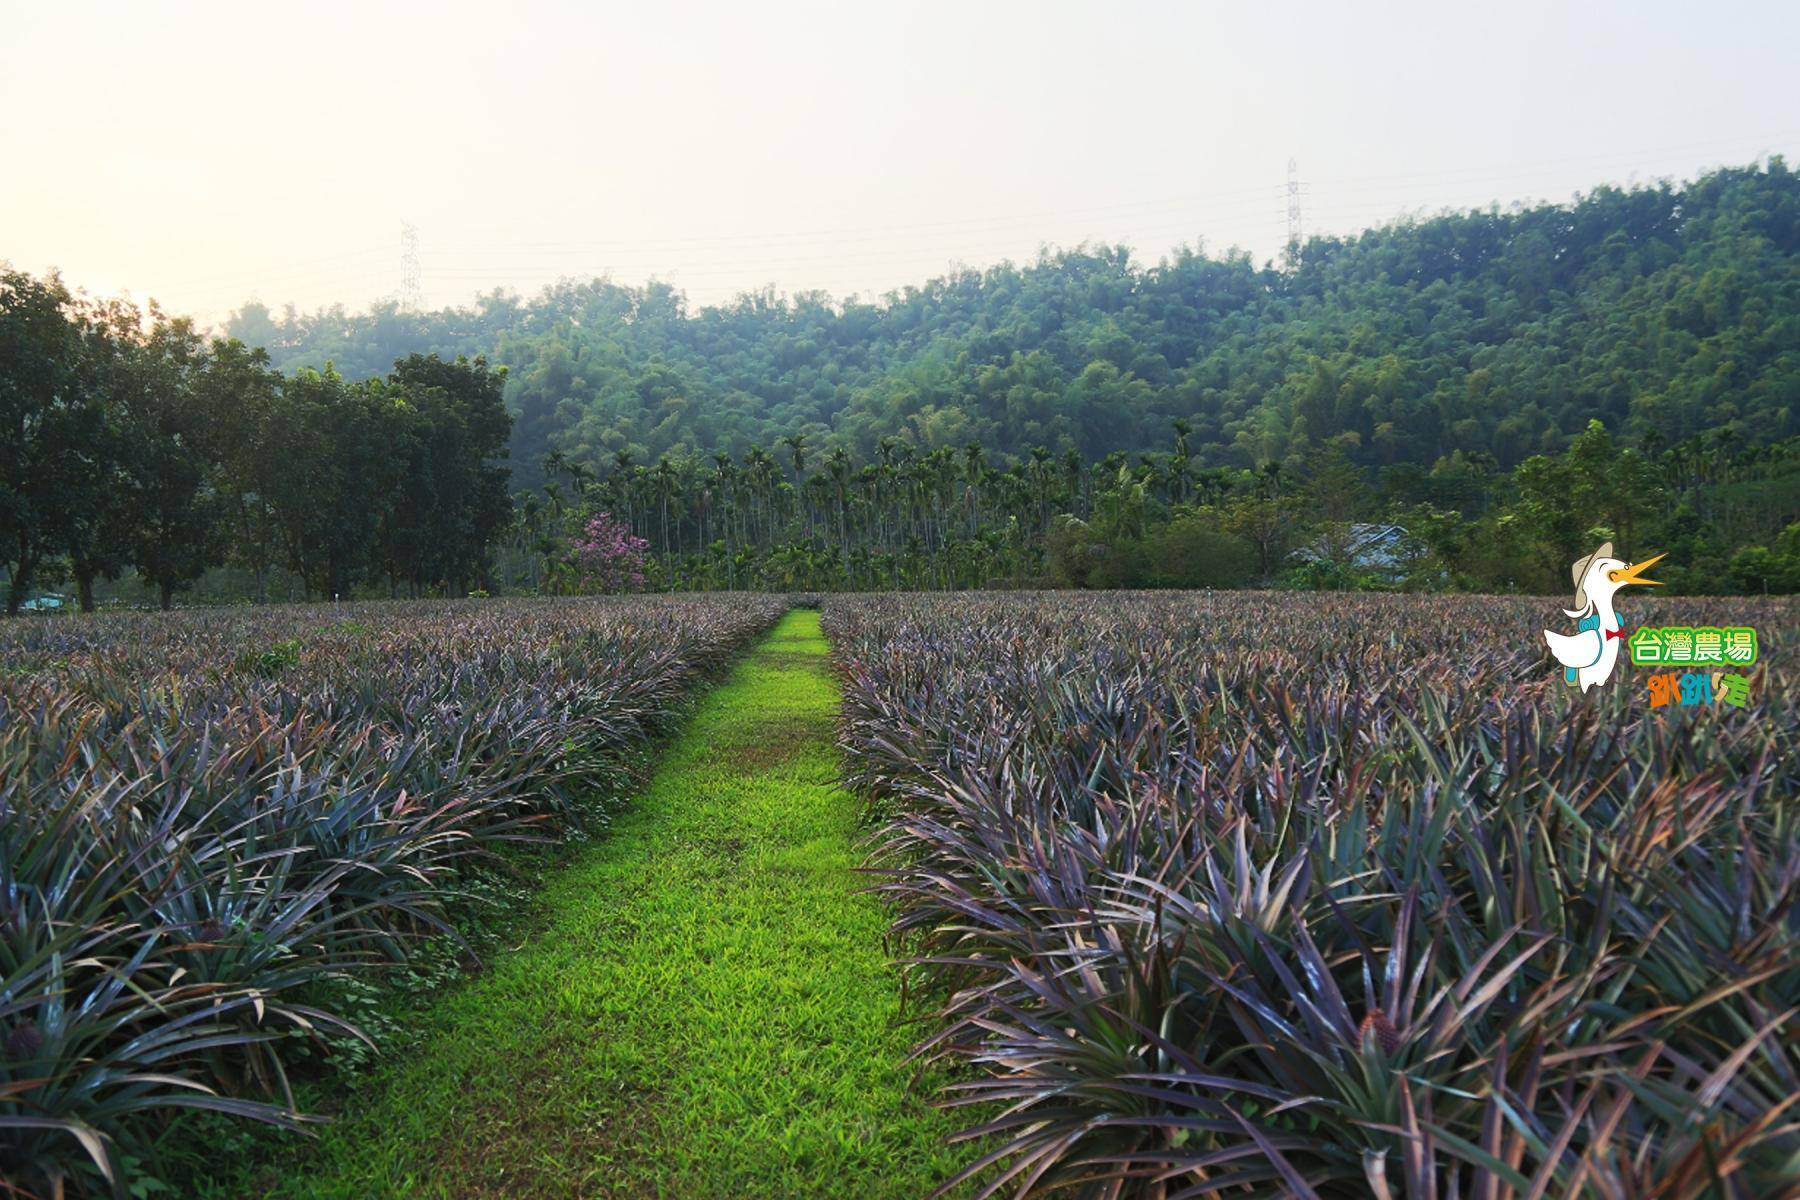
point(1633, 573)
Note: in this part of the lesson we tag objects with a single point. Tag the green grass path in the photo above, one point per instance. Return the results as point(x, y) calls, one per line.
point(709, 1011)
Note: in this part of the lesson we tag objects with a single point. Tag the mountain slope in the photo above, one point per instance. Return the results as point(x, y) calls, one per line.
point(1663, 311)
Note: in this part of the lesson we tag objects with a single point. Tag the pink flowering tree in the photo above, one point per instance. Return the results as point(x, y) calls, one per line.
point(607, 556)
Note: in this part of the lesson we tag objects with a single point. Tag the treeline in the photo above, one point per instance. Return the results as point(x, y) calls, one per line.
point(1666, 312)
point(128, 441)
point(1726, 512)
point(1081, 420)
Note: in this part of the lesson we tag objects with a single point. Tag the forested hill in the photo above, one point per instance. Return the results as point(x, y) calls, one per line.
point(1664, 311)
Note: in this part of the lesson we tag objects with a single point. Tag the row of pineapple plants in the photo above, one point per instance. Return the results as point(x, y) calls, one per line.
point(1244, 895)
point(205, 815)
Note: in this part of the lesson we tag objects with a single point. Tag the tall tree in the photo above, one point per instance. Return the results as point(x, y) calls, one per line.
point(340, 474)
point(452, 502)
point(172, 504)
point(50, 427)
point(235, 394)
point(100, 521)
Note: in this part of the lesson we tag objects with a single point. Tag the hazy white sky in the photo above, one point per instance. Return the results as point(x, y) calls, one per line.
point(204, 154)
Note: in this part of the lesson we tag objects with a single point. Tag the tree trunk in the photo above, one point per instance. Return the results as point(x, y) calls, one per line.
point(84, 590)
point(166, 592)
point(19, 584)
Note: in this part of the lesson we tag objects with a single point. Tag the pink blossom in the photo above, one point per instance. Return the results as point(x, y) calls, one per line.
point(608, 557)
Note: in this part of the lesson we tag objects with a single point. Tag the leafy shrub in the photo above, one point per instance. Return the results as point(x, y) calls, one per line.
point(1762, 569)
point(270, 662)
point(1192, 552)
point(1323, 575)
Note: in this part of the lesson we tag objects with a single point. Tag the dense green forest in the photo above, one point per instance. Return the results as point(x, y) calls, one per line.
point(130, 443)
point(1666, 312)
point(1465, 402)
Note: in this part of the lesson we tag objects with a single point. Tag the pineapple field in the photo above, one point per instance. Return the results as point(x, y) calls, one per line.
point(206, 816)
point(1238, 895)
point(1131, 895)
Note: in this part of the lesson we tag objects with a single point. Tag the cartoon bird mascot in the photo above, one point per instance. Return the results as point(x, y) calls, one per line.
point(1588, 655)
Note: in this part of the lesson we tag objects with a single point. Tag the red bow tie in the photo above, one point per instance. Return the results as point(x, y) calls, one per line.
point(1616, 633)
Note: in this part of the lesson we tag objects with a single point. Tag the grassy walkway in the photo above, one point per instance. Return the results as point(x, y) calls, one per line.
point(709, 1012)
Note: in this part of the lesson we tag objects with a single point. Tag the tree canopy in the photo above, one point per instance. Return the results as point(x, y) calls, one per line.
point(129, 441)
point(1664, 311)
point(1497, 391)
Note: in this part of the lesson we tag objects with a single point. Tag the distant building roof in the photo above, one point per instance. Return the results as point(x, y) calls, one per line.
point(1365, 544)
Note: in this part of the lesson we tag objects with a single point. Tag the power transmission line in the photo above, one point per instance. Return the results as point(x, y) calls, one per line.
point(856, 257)
point(1293, 214)
point(410, 290)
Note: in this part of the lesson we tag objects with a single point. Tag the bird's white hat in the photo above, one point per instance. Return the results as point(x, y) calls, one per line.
point(1580, 570)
